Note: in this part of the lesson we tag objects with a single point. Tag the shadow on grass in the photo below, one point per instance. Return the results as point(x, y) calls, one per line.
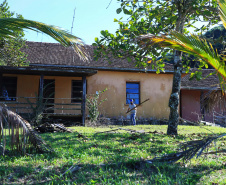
point(120, 153)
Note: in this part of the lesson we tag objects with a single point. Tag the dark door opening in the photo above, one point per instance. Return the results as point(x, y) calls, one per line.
point(48, 95)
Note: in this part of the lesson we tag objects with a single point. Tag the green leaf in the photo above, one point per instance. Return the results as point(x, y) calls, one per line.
point(119, 10)
point(127, 12)
point(129, 59)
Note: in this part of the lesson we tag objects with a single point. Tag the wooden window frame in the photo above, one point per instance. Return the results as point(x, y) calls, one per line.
point(136, 82)
point(4, 79)
point(76, 101)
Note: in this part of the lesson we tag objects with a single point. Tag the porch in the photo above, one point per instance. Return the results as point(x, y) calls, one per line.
point(54, 91)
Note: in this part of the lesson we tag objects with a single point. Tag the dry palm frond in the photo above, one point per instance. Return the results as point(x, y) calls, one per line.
point(61, 127)
point(21, 135)
point(212, 99)
point(191, 149)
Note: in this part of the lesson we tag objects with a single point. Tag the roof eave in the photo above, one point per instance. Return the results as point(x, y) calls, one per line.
point(102, 68)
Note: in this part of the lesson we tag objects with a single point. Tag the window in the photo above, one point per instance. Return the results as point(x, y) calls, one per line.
point(133, 92)
point(76, 94)
point(9, 87)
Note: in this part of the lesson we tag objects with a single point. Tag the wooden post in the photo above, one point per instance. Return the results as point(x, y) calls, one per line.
point(202, 108)
point(41, 86)
point(83, 100)
point(1, 83)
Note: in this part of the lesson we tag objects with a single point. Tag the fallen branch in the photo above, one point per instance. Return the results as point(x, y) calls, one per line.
point(71, 169)
point(215, 152)
point(189, 122)
point(191, 149)
point(107, 131)
point(130, 130)
point(61, 127)
point(27, 137)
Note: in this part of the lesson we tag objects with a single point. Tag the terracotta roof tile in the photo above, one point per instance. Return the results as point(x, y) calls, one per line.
point(56, 54)
point(210, 82)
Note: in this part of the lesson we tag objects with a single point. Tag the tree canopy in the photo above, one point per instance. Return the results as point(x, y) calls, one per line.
point(10, 47)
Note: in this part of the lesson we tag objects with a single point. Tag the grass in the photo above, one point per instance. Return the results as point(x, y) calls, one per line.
point(116, 158)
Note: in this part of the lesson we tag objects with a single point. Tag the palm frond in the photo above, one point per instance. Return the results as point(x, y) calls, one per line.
point(8, 27)
point(21, 136)
point(190, 150)
point(189, 44)
point(222, 11)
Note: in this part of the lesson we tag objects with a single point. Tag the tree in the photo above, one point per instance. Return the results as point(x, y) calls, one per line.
point(193, 45)
point(203, 50)
point(10, 48)
point(217, 36)
point(155, 17)
point(11, 27)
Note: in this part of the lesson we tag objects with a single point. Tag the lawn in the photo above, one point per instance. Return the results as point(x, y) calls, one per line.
point(117, 157)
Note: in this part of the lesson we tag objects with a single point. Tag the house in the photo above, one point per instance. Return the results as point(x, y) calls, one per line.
point(57, 74)
point(200, 100)
point(61, 81)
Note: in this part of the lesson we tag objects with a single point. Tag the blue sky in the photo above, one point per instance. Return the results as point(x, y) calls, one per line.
point(91, 16)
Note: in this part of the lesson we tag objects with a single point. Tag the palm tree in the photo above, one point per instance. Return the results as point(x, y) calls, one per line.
point(8, 26)
point(198, 47)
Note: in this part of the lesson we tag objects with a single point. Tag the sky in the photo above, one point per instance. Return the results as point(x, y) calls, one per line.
point(91, 16)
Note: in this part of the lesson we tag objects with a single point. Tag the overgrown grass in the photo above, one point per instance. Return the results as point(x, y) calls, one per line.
point(116, 158)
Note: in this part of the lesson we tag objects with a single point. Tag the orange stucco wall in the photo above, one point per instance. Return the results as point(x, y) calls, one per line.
point(157, 87)
point(28, 85)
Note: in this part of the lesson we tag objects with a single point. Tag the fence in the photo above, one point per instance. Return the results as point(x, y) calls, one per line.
point(59, 106)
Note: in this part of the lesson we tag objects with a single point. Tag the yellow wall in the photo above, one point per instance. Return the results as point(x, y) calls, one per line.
point(28, 85)
point(157, 87)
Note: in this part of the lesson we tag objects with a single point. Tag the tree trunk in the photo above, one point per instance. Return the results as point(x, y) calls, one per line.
point(175, 95)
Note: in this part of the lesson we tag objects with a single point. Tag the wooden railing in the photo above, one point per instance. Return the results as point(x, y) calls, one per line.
point(219, 119)
point(48, 105)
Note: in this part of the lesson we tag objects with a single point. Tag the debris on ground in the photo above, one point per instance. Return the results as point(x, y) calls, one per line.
point(53, 127)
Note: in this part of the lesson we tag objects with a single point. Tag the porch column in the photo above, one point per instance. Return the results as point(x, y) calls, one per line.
point(202, 109)
point(41, 86)
point(83, 100)
point(1, 85)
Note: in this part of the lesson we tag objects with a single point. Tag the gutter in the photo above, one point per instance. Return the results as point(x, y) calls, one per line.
point(200, 88)
point(100, 68)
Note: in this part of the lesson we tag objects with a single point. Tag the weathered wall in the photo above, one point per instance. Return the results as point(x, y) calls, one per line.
point(28, 85)
point(157, 87)
point(190, 105)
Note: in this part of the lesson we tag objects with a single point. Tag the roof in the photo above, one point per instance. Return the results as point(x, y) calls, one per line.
point(54, 54)
point(47, 71)
point(208, 83)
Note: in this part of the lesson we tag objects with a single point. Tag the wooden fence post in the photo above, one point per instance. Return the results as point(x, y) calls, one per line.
point(83, 100)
